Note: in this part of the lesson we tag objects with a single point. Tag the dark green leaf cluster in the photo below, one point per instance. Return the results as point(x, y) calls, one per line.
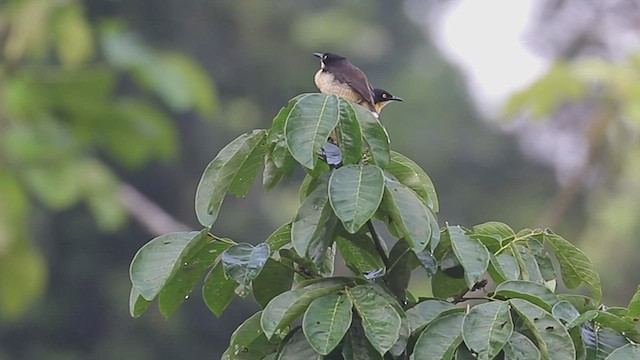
point(509, 277)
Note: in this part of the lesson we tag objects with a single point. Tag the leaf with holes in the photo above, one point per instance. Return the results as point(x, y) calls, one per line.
point(326, 321)
point(381, 322)
point(440, 338)
point(473, 256)
point(487, 328)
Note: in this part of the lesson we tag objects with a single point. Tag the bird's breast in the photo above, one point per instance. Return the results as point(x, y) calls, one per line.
point(326, 82)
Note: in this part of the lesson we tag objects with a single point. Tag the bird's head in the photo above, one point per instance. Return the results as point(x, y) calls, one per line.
point(382, 97)
point(328, 58)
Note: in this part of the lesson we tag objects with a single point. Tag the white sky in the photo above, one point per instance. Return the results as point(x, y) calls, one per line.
point(486, 39)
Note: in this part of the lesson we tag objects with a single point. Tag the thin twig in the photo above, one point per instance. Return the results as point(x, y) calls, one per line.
point(147, 213)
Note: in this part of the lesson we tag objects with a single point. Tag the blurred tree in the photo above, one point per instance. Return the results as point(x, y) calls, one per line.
point(72, 95)
point(590, 101)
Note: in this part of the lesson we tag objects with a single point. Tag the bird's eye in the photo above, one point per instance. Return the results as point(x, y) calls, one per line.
point(384, 96)
point(324, 57)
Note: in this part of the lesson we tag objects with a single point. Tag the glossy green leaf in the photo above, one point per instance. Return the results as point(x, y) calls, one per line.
point(381, 322)
point(220, 173)
point(307, 224)
point(356, 346)
point(527, 263)
point(405, 330)
point(553, 340)
point(412, 176)
point(519, 347)
point(271, 175)
point(154, 262)
point(248, 342)
point(279, 238)
point(426, 311)
point(243, 263)
point(137, 304)
point(297, 347)
point(473, 256)
point(348, 134)
point(355, 192)
point(247, 171)
point(535, 293)
point(634, 304)
point(274, 279)
point(487, 328)
point(308, 125)
point(197, 256)
point(326, 321)
point(495, 229)
point(565, 312)
point(440, 338)
point(286, 307)
point(280, 154)
point(600, 341)
point(217, 290)
point(614, 322)
point(627, 352)
point(503, 267)
point(408, 213)
point(374, 134)
point(575, 266)
point(582, 318)
point(359, 253)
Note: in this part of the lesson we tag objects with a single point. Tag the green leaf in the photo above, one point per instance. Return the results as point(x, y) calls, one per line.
point(246, 173)
point(634, 304)
point(355, 192)
point(271, 175)
point(221, 172)
point(534, 293)
point(629, 351)
point(137, 304)
point(614, 322)
point(527, 262)
point(487, 328)
point(279, 238)
point(307, 224)
point(217, 290)
point(423, 313)
point(73, 36)
point(444, 286)
point(412, 176)
point(565, 312)
point(326, 321)
point(273, 280)
point(297, 347)
point(248, 342)
point(575, 266)
point(381, 322)
point(374, 134)
point(600, 341)
point(553, 340)
point(348, 134)
point(243, 263)
point(280, 154)
point(408, 213)
point(404, 333)
point(199, 254)
point(582, 318)
point(308, 126)
point(503, 267)
point(519, 347)
point(473, 256)
point(440, 339)
point(581, 302)
point(399, 271)
point(286, 307)
point(359, 253)
point(154, 262)
point(495, 229)
point(356, 346)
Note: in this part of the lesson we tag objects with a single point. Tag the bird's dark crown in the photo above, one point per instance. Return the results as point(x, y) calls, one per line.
point(329, 57)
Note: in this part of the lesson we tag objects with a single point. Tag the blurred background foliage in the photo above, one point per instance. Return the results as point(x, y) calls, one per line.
point(105, 105)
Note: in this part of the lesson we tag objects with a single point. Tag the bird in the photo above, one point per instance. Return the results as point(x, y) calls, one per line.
point(382, 98)
point(340, 77)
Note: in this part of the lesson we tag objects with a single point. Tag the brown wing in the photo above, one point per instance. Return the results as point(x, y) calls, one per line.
point(354, 77)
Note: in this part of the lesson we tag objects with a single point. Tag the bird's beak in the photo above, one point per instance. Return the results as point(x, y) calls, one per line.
point(318, 55)
point(395, 98)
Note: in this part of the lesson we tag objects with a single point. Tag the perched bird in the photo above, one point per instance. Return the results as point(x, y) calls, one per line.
point(381, 98)
point(340, 77)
